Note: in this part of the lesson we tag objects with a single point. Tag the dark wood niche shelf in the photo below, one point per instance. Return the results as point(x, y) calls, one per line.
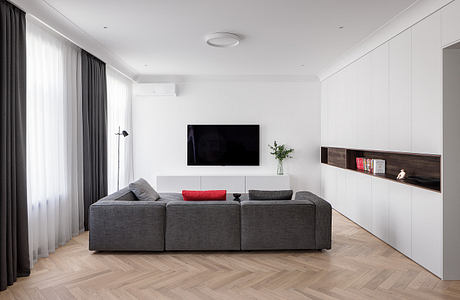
point(423, 170)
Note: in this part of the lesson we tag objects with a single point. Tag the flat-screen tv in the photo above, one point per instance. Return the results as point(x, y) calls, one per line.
point(223, 145)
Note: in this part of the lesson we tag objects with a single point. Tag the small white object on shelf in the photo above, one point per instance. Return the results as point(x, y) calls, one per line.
point(401, 175)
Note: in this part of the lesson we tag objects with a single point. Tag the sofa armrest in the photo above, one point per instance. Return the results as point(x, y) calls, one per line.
point(117, 225)
point(323, 218)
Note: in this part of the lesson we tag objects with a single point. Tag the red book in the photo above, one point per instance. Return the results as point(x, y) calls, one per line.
point(359, 163)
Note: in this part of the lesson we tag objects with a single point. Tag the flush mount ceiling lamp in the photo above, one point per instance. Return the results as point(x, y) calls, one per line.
point(222, 39)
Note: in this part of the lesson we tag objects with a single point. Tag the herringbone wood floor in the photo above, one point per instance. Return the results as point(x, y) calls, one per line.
point(359, 266)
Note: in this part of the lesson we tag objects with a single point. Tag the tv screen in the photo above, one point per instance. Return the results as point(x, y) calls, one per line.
point(223, 145)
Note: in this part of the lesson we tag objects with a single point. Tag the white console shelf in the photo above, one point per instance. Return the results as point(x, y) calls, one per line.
point(231, 183)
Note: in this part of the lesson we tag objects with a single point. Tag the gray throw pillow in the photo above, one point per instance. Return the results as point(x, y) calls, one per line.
point(143, 190)
point(270, 195)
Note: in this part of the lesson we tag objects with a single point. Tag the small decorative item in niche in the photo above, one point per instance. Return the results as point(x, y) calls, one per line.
point(401, 175)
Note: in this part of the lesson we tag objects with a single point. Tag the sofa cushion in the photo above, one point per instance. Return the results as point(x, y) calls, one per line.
point(278, 225)
point(143, 190)
point(270, 195)
point(204, 195)
point(202, 225)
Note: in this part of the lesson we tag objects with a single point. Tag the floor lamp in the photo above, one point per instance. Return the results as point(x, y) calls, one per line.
point(123, 133)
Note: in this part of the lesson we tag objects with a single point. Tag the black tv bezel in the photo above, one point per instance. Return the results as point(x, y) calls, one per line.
point(219, 165)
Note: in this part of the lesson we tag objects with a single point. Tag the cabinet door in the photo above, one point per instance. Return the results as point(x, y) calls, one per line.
point(427, 86)
point(363, 105)
point(324, 98)
point(450, 18)
point(427, 229)
point(341, 200)
point(331, 110)
point(350, 111)
point(363, 204)
point(399, 213)
point(329, 186)
point(379, 98)
point(400, 91)
point(233, 184)
point(341, 105)
point(323, 182)
point(380, 195)
point(350, 207)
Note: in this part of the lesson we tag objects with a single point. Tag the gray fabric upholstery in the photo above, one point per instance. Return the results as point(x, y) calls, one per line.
point(323, 222)
point(143, 190)
point(170, 223)
point(202, 225)
point(277, 225)
point(124, 194)
point(117, 225)
point(270, 195)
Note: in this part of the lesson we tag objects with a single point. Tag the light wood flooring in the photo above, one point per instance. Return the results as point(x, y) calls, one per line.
point(359, 266)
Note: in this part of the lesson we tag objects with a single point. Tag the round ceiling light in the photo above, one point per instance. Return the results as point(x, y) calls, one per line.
point(222, 39)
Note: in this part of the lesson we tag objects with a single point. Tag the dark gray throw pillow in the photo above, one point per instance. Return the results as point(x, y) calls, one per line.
point(270, 195)
point(143, 190)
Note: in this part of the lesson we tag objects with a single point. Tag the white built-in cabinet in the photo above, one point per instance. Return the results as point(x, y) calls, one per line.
point(407, 218)
point(391, 99)
point(233, 184)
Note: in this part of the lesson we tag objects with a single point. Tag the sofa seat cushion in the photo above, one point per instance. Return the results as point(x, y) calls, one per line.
point(219, 195)
point(143, 190)
point(270, 195)
point(117, 225)
point(202, 225)
point(278, 225)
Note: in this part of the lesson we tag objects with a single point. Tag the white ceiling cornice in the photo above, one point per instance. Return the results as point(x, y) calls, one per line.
point(47, 14)
point(224, 78)
point(404, 20)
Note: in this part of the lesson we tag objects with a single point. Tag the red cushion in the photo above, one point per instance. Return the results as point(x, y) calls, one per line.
point(204, 195)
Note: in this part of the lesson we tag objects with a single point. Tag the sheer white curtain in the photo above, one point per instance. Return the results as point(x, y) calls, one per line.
point(54, 140)
point(119, 100)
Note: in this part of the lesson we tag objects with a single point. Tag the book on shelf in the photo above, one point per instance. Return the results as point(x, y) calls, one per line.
point(379, 166)
point(360, 163)
point(374, 166)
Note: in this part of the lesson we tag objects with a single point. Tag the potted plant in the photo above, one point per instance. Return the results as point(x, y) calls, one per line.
point(281, 152)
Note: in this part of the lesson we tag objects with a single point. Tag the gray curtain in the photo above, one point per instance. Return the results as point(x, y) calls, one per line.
point(14, 245)
point(94, 104)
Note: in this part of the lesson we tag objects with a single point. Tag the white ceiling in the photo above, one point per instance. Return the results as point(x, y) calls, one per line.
point(284, 37)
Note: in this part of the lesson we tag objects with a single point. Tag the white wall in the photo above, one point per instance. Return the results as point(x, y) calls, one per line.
point(286, 111)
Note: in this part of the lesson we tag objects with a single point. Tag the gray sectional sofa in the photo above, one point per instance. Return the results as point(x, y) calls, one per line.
point(119, 222)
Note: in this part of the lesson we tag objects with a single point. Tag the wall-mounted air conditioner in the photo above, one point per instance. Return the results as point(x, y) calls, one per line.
point(155, 89)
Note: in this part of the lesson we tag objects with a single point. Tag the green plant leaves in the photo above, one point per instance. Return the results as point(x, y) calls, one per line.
point(280, 152)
